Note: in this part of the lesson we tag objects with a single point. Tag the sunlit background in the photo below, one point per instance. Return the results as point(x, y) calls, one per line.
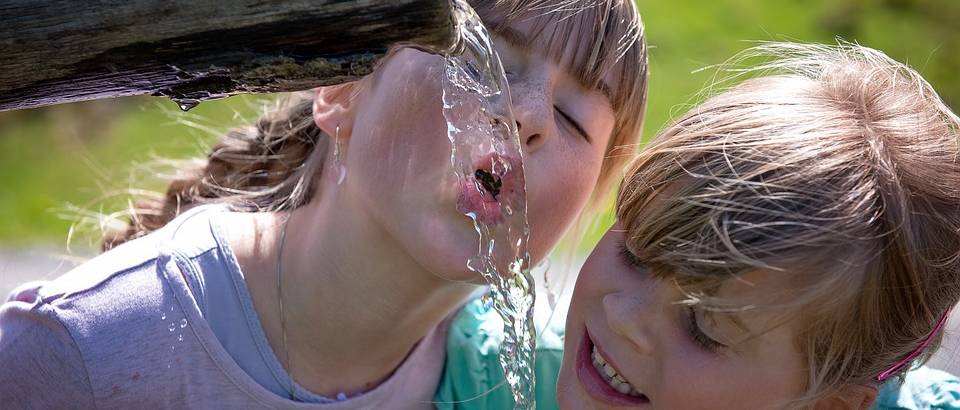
point(61, 165)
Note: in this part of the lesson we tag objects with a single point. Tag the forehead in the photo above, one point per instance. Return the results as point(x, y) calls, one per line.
point(521, 38)
point(590, 41)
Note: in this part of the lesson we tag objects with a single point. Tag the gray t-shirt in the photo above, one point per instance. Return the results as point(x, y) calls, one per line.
point(126, 330)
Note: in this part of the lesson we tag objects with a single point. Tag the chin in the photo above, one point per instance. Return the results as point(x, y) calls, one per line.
point(568, 400)
point(443, 246)
point(446, 258)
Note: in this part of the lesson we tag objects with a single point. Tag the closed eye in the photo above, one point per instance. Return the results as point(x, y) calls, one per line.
point(573, 123)
point(629, 258)
point(699, 336)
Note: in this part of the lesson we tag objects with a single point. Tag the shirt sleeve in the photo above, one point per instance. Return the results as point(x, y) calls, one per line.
point(41, 366)
point(922, 389)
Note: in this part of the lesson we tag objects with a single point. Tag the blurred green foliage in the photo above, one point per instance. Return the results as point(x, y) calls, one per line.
point(84, 154)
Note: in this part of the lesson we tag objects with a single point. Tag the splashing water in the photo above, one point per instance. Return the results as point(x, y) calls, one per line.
point(486, 156)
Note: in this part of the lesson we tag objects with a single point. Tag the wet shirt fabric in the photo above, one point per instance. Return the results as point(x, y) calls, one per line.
point(155, 323)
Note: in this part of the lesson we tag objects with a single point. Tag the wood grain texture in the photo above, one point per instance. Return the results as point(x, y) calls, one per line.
point(57, 51)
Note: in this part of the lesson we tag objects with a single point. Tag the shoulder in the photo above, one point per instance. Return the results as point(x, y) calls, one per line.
point(473, 377)
point(122, 279)
point(35, 351)
point(921, 388)
point(89, 306)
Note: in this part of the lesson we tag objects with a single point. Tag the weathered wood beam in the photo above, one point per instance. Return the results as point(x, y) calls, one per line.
point(57, 51)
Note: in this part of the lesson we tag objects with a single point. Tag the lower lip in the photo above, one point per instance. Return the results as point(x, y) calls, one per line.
point(478, 205)
point(595, 385)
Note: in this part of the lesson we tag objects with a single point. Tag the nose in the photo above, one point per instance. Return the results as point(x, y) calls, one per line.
point(630, 317)
point(532, 109)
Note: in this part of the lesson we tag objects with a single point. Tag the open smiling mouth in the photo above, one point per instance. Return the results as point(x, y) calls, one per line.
point(610, 375)
point(602, 381)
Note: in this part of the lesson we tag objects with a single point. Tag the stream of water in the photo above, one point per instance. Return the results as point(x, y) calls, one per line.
point(487, 158)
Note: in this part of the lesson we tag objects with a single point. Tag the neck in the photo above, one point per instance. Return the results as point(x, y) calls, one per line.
point(354, 303)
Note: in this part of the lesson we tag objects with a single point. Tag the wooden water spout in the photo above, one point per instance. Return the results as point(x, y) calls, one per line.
point(58, 51)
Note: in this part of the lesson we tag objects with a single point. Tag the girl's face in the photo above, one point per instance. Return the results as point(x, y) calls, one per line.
point(397, 159)
point(625, 325)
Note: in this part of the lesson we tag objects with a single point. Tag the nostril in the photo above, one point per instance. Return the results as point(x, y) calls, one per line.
point(533, 140)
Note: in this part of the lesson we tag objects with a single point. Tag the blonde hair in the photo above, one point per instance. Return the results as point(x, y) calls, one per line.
point(274, 164)
point(838, 167)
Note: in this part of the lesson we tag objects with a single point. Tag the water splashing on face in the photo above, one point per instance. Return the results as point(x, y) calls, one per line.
point(487, 158)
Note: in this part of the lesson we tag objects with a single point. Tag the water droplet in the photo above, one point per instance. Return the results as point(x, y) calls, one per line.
point(183, 323)
point(500, 167)
point(507, 209)
point(172, 327)
point(341, 174)
point(172, 348)
point(186, 104)
point(163, 316)
point(180, 338)
point(487, 300)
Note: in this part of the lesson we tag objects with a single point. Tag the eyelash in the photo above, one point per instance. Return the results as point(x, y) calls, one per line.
point(697, 335)
point(572, 123)
point(630, 259)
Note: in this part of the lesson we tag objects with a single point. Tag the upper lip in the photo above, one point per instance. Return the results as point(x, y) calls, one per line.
point(486, 162)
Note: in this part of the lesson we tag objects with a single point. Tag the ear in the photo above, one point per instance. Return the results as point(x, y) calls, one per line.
point(851, 397)
point(333, 107)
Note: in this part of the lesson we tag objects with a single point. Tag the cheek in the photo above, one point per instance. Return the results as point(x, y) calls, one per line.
point(697, 380)
point(399, 132)
point(599, 276)
point(559, 183)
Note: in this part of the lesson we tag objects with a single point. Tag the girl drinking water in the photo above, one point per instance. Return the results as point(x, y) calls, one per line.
point(315, 259)
point(793, 242)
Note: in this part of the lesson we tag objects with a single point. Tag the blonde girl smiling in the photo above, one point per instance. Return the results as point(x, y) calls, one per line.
point(792, 242)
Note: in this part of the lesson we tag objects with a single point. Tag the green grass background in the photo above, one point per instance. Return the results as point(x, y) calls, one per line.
point(79, 155)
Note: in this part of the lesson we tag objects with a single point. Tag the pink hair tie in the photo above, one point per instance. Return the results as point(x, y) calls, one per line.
point(896, 368)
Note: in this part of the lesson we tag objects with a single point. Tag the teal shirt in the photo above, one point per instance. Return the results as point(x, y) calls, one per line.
point(473, 378)
point(922, 388)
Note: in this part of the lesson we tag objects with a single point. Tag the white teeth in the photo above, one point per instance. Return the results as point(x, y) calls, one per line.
point(611, 377)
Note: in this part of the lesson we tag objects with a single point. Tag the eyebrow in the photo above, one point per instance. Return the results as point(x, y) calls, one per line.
point(518, 39)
